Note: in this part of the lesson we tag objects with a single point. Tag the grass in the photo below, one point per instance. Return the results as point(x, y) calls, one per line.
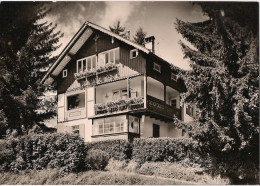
point(50, 177)
point(179, 172)
point(174, 171)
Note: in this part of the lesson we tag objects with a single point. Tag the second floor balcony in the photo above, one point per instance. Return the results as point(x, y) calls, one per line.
point(137, 94)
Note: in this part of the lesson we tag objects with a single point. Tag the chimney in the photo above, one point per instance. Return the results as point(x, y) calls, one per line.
point(149, 43)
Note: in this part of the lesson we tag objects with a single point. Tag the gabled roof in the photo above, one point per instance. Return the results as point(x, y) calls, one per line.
point(76, 43)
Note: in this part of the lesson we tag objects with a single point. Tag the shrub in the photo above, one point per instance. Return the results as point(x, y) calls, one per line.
point(96, 159)
point(118, 149)
point(116, 165)
point(63, 151)
point(132, 166)
point(6, 155)
point(164, 149)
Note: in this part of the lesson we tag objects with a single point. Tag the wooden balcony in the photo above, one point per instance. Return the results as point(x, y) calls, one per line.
point(120, 106)
point(160, 107)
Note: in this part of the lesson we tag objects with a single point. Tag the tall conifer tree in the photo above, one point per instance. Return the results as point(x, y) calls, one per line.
point(224, 84)
point(26, 46)
point(118, 29)
point(139, 36)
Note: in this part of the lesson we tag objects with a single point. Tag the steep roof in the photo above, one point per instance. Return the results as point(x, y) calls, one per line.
point(76, 43)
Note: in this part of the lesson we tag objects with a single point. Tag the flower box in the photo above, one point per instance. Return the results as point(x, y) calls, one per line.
point(104, 111)
point(105, 71)
point(122, 107)
point(136, 106)
point(82, 75)
point(113, 109)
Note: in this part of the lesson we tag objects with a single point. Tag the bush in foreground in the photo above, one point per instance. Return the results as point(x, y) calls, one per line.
point(96, 159)
point(63, 151)
point(118, 149)
point(164, 149)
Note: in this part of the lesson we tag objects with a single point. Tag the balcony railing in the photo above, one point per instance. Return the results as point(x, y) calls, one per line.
point(119, 105)
point(100, 70)
point(161, 107)
point(153, 104)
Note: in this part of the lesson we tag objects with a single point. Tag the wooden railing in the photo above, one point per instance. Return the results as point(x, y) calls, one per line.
point(161, 107)
point(120, 105)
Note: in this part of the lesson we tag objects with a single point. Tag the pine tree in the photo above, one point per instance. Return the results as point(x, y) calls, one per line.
point(118, 29)
point(223, 83)
point(140, 36)
point(26, 47)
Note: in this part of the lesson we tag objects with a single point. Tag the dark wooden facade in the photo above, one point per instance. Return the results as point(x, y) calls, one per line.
point(104, 43)
point(165, 75)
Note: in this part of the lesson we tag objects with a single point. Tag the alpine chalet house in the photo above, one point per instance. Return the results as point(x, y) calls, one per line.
point(112, 88)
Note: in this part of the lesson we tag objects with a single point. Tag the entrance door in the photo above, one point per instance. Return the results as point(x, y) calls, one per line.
point(156, 130)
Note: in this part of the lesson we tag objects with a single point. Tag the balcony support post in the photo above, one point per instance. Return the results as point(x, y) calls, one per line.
point(145, 90)
point(128, 87)
point(164, 86)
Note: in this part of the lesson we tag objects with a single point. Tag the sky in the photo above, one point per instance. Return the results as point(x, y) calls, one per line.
point(156, 18)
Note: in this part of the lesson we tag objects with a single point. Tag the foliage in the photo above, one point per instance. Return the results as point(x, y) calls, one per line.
point(164, 149)
point(118, 29)
point(224, 84)
point(139, 36)
point(117, 149)
point(6, 155)
point(96, 159)
point(116, 165)
point(26, 47)
point(177, 171)
point(39, 152)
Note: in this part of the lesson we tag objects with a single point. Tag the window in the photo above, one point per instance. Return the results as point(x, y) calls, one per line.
point(156, 67)
point(75, 129)
point(156, 131)
point(116, 95)
point(120, 94)
point(109, 125)
point(133, 124)
point(124, 93)
point(173, 77)
point(133, 53)
point(174, 103)
point(86, 64)
point(64, 73)
point(76, 101)
point(111, 56)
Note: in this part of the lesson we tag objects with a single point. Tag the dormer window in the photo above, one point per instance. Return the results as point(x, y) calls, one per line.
point(156, 67)
point(173, 77)
point(64, 73)
point(133, 53)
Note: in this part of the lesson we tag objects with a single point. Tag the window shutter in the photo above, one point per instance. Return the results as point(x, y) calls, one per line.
point(82, 130)
point(61, 107)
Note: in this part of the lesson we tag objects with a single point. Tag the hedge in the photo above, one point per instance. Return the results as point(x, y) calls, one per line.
point(164, 149)
point(118, 149)
point(63, 151)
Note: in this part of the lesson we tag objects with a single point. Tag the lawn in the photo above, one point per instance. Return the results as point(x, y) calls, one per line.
point(50, 177)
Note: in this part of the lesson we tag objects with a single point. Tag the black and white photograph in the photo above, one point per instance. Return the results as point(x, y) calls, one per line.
point(129, 93)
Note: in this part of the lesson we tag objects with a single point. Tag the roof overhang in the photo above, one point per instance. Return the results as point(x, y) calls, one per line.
point(76, 43)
